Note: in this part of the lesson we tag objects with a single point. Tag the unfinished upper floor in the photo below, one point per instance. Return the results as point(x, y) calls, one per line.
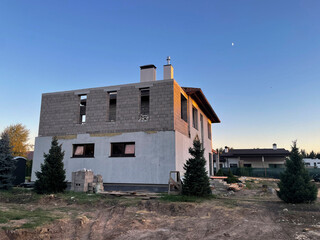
point(150, 105)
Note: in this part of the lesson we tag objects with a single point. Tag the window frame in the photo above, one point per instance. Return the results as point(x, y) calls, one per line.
point(209, 131)
point(195, 123)
point(113, 93)
point(143, 95)
point(83, 108)
point(184, 104)
point(113, 155)
point(85, 146)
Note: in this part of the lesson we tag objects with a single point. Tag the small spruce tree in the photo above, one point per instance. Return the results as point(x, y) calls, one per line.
point(51, 178)
point(196, 180)
point(7, 163)
point(295, 185)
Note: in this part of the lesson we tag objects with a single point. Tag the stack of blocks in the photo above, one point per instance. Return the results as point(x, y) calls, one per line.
point(85, 181)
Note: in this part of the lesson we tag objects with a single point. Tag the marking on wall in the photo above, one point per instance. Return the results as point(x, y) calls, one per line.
point(104, 134)
point(67, 137)
point(150, 132)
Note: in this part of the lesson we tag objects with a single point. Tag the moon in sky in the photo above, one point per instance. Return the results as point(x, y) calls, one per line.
point(232, 44)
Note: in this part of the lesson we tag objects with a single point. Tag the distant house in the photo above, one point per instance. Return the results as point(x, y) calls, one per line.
point(312, 163)
point(255, 158)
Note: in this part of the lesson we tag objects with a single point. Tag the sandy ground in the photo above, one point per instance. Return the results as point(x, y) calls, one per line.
point(248, 214)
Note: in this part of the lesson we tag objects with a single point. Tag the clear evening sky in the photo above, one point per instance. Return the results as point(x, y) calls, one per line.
point(265, 88)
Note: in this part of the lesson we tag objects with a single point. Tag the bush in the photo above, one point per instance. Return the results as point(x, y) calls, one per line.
point(231, 178)
point(220, 173)
point(295, 185)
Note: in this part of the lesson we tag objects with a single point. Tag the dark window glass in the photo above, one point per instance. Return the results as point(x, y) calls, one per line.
point(247, 165)
point(112, 106)
point(195, 117)
point(210, 164)
point(83, 150)
point(145, 101)
point(123, 149)
point(184, 108)
point(209, 130)
point(233, 165)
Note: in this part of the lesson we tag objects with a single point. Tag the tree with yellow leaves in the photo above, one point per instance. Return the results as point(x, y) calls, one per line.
point(19, 136)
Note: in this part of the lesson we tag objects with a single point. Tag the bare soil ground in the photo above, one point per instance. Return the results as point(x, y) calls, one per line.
point(249, 214)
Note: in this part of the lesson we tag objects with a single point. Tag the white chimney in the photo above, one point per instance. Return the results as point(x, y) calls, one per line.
point(226, 149)
point(274, 146)
point(168, 70)
point(147, 73)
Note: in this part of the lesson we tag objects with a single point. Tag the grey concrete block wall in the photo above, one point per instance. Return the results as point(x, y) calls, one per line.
point(60, 111)
point(179, 124)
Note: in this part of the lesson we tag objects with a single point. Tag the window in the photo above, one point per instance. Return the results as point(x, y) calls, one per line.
point(83, 106)
point(195, 117)
point(184, 108)
point(247, 165)
point(209, 130)
point(145, 101)
point(123, 149)
point(233, 165)
point(83, 150)
point(112, 106)
point(210, 164)
point(276, 165)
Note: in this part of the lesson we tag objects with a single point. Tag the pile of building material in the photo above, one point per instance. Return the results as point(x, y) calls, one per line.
point(85, 181)
point(219, 186)
point(141, 194)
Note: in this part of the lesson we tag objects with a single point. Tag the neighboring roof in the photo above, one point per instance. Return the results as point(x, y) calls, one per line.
point(256, 152)
point(198, 96)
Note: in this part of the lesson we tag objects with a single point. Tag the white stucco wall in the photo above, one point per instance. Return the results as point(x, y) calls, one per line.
point(183, 142)
point(154, 157)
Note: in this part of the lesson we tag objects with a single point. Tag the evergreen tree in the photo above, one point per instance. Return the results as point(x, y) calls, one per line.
point(196, 180)
point(51, 178)
point(303, 153)
point(312, 155)
point(7, 163)
point(295, 185)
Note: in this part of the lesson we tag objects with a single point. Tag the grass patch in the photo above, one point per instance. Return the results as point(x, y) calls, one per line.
point(79, 197)
point(249, 185)
point(231, 203)
point(34, 218)
point(18, 195)
point(183, 198)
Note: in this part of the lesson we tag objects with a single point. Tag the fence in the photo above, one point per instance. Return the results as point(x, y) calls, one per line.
point(264, 172)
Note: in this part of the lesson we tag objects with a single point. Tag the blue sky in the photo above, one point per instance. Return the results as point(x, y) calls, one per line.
point(265, 88)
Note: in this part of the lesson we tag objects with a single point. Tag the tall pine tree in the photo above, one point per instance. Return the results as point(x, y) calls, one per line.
point(7, 163)
point(295, 185)
point(196, 180)
point(52, 177)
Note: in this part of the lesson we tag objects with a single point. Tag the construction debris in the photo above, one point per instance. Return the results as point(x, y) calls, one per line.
point(175, 184)
point(85, 181)
point(144, 195)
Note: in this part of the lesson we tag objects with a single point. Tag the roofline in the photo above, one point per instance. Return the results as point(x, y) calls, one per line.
point(205, 106)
